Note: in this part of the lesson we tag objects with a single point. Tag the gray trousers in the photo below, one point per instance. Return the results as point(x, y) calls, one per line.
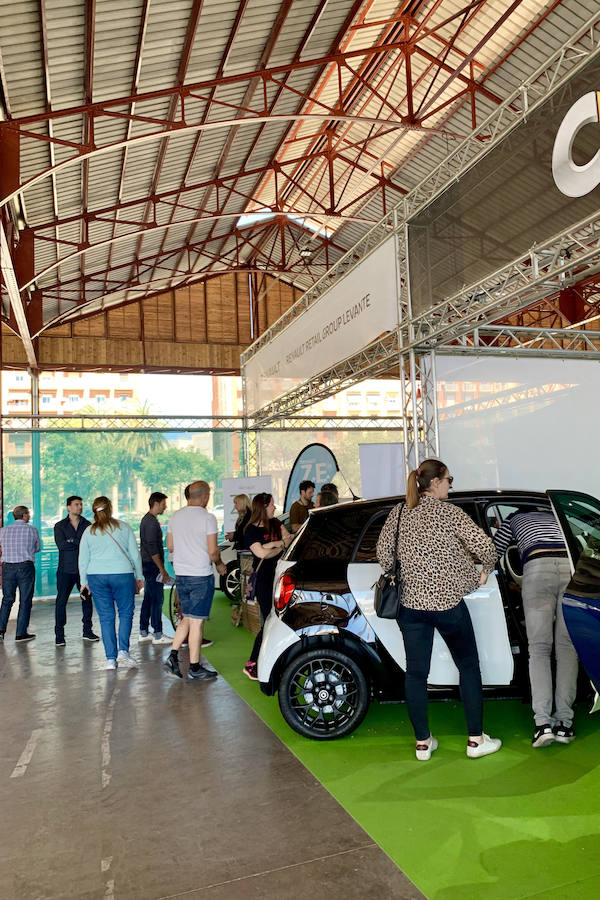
point(544, 581)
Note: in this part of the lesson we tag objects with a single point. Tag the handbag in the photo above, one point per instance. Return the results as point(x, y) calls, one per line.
point(251, 584)
point(388, 587)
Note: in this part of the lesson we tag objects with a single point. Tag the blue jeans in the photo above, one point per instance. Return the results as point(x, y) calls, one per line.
point(17, 575)
point(455, 626)
point(108, 591)
point(152, 602)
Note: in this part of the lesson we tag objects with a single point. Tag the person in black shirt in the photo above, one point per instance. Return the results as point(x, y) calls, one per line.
point(67, 535)
point(153, 564)
point(266, 538)
point(242, 505)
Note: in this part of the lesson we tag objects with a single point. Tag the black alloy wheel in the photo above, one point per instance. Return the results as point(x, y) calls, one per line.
point(323, 694)
point(230, 582)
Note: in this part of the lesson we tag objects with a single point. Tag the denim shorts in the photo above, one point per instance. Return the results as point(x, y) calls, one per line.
point(195, 594)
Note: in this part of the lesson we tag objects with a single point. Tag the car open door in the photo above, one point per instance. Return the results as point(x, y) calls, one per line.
point(579, 518)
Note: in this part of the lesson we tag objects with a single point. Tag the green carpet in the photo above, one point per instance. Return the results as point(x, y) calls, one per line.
point(520, 824)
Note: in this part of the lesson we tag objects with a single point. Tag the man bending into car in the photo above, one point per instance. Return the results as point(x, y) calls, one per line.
point(546, 573)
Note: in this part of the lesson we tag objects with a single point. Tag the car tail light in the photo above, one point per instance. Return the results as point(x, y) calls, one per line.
point(284, 591)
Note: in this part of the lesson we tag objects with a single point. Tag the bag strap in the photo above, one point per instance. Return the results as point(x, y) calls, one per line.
point(123, 551)
point(395, 565)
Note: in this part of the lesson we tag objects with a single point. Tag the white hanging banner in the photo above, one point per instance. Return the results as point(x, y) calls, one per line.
point(354, 312)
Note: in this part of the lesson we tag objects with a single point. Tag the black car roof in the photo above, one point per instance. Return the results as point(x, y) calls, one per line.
point(482, 494)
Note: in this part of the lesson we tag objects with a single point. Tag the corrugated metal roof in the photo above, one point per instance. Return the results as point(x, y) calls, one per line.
point(188, 186)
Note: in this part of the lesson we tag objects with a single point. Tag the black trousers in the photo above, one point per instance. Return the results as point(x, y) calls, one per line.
point(264, 596)
point(455, 626)
point(65, 582)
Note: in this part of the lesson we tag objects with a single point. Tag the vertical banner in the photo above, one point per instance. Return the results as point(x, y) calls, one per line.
point(250, 486)
point(381, 470)
point(315, 463)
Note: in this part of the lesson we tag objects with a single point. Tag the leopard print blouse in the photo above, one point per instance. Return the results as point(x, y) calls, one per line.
point(438, 547)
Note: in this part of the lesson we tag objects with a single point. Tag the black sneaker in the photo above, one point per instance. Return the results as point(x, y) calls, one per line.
point(172, 667)
point(25, 637)
point(2, 633)
point(201, 674)
point(542, 736)
point(564, 734)
point(90, 636)
point(60, 642)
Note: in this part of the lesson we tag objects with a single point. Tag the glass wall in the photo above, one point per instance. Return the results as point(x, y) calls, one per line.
point(124, 466)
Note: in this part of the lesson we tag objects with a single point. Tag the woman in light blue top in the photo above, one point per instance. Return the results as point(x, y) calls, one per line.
point(111, 566)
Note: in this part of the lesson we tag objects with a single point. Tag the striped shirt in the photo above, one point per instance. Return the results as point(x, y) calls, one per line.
point(20, 542)
point(532, 532)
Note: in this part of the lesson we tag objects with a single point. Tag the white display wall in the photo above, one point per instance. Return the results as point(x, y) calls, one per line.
point(520, 423)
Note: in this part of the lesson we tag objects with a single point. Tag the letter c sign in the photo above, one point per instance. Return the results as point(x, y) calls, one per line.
point(570, 179)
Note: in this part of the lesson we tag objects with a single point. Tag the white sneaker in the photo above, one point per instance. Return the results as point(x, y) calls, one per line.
point(163, 640)
point(424, 749)
point(111, 664)
point(144, 638)
point(487, 746)
point(125, 661)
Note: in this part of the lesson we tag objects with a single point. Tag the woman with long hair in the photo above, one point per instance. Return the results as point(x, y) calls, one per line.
point(266, 538)
point(241, 503)
point(438, 547)
point(111, 566)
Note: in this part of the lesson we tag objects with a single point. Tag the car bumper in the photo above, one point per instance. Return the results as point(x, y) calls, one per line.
point(277, 638)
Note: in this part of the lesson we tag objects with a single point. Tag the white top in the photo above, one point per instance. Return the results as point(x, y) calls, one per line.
point(189, 527)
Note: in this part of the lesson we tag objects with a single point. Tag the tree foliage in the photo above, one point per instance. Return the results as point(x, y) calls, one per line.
point(17, 486)
point(166, 469)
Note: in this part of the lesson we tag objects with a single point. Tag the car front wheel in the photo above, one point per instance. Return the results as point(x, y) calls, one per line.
point(230, 582)
point(323, 694)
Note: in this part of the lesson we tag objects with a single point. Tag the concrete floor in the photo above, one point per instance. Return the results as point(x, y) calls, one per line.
point(134, 786)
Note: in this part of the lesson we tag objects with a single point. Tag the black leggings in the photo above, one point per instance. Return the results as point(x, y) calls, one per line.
point(264, 596)
point(455, 626)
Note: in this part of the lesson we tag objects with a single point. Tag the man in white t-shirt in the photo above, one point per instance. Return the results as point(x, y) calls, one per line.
point(192, 536)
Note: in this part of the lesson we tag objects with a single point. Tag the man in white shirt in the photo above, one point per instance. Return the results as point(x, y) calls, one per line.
point(192, 537)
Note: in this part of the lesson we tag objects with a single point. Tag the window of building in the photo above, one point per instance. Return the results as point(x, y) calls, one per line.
point(354, 401)
point(45, 399)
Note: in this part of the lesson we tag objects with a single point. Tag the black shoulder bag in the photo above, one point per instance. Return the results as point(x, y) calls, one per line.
point(388, 587)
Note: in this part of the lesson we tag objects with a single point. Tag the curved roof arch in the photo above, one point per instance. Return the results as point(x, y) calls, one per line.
point(134, 136)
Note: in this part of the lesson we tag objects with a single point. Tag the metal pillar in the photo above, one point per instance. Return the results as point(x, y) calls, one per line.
point(252, 447)
point(36, 486)
point(417, 368)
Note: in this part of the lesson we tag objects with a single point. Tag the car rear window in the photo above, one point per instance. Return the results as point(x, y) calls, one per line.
point(331, 534)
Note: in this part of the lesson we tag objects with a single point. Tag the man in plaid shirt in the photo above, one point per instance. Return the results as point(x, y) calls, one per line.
point(19, 542)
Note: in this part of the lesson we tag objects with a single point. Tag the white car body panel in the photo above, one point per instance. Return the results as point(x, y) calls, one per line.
point(277, 636)
point(489, 625)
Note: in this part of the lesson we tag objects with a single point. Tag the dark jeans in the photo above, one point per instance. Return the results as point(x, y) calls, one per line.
point(17, 575)
point(65, 582)
point(152, 602)
point(264, 596)
point(455, 626)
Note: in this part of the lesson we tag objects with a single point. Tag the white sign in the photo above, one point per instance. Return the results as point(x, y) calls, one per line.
point(233, 486)
point(571, 179)
point(354, 312)
point(381, 470)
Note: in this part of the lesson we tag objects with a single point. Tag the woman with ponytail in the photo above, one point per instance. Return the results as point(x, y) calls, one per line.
point(438, 548)
point(111, 565)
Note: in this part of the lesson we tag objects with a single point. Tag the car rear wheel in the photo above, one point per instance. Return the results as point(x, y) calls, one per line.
point(323, 694)
point(230, 582)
